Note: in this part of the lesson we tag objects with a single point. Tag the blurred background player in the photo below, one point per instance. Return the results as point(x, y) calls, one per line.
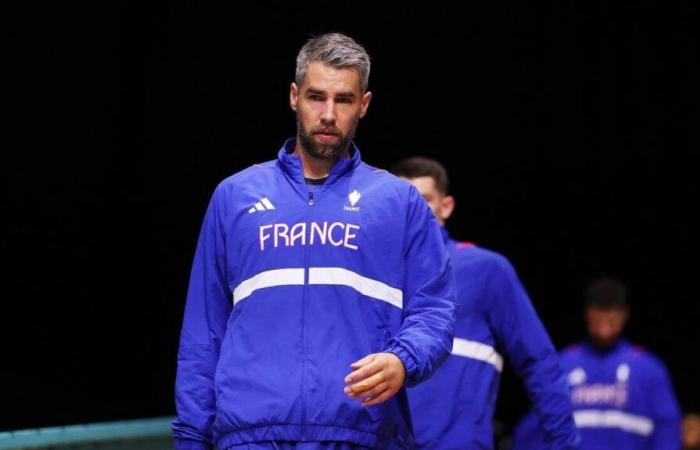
point(454, 410)
point(621, 394)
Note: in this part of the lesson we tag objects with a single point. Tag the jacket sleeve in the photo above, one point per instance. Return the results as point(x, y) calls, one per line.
point(425, 337)
point(207, 309)
point(528, 348)
point(666, 413)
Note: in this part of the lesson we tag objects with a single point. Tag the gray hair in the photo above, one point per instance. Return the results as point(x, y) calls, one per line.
point(335, 50)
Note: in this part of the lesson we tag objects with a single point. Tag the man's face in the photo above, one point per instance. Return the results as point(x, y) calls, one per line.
point(605, 324)
point(442, 205)
point(328, 106)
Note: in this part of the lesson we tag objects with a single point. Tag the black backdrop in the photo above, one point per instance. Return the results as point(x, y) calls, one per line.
point(569, 129)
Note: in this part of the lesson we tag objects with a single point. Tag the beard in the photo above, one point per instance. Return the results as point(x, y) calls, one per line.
point(320, 150)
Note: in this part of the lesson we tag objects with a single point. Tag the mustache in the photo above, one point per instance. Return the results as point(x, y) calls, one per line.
point(333, 131)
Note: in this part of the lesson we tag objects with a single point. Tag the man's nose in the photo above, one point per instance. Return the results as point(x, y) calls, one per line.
point(328, 113)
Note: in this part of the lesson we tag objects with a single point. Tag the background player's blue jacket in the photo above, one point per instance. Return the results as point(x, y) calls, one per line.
point(454, 409)
point(622, 399)
point(289, 287)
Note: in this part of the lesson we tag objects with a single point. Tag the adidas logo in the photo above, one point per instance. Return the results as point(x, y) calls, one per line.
point(263, 205)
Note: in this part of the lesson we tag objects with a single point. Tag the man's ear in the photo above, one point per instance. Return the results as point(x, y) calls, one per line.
point(293, 96)
point(364, 103)
point(447, 205)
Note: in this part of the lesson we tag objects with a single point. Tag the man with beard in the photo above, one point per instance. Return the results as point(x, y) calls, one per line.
point(495, 321)
point(621, 394)
point(320, 287)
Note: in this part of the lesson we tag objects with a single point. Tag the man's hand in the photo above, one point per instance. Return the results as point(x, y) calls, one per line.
point(375, 378)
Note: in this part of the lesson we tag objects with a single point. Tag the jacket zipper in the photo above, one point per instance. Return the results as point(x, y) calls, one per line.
point(303, 326)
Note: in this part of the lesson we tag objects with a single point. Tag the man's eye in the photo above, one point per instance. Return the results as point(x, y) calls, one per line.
point(316, 98)
point(343, 100)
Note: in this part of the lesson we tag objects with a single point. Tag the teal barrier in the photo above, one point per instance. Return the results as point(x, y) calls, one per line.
point(143, 434)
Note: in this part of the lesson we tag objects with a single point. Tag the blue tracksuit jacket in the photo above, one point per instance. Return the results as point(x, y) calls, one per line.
point(289, 287)
point(495, 318)
point(622, 399)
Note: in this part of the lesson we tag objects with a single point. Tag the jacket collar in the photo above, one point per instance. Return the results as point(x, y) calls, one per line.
point(291, 164)
point(621, 343)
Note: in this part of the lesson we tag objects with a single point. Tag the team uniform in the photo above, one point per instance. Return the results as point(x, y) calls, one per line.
point(622, 399)
point(454, 409)
point(290, 285)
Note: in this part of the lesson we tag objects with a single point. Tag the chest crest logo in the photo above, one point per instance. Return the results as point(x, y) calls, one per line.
point(353, 198)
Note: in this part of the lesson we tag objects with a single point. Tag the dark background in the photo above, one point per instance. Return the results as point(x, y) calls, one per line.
point(569, 130)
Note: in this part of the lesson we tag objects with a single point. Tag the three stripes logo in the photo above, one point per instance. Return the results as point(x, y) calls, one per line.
point(263, 205)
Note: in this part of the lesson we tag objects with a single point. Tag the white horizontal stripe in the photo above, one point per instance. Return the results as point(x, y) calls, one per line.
point(251, 210)
point(267, 203)
point(366, 286)
point(477, 350)
point(596, 418)
point(320, 275)
point(270, 278)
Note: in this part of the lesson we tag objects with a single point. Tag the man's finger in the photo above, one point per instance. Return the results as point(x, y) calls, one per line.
point(373, 392)
point(363, 372)
point(364, 361)
point(381, 398)
point(367, 383)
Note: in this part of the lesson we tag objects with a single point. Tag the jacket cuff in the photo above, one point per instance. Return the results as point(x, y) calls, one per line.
point(188, 444)
point(409, 362)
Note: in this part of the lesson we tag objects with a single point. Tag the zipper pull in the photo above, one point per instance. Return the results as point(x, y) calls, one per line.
point(311, 199)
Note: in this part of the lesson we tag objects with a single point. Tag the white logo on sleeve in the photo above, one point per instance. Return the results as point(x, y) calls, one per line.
point(354, 197)
point(263, 205)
